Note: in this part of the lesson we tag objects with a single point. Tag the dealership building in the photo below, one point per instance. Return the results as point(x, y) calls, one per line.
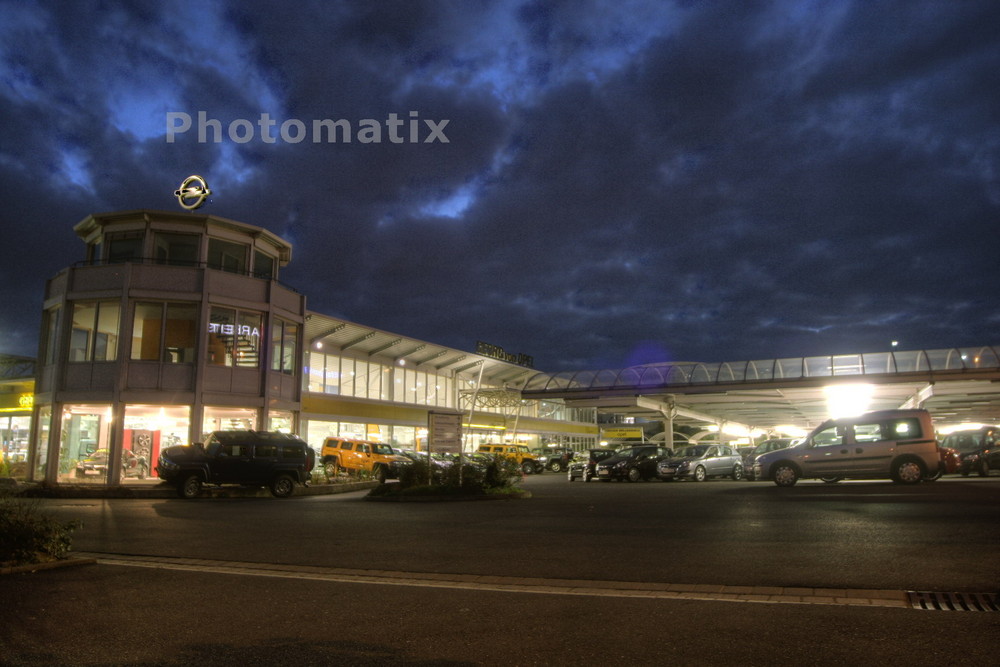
point(176, 324)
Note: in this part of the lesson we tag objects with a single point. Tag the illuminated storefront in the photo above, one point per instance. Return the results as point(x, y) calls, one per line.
point(175, 325)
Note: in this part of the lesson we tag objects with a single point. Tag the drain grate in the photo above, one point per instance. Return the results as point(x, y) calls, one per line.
point(953, 601)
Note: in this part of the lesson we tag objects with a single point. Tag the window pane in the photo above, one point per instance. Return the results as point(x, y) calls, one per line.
point(146, 331)
point(276, 333)
point(180, 334)
point(176, 249)
point(288, 348)
point(248, 340)
point(124, 249)
point(221, 329)
point(227, 256)
point(51, 331)
point(106, 340)
point(84, 315)
point(263, 265)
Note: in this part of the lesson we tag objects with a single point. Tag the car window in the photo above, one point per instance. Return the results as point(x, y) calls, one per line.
point(266, 451)
point(347, 446)
point(867, 432)
point(832, 436)
point(233, 450)
point(290, 452)
point(905, 428)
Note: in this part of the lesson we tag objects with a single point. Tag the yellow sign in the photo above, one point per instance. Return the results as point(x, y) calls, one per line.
point(26, 401)
point(621, 433)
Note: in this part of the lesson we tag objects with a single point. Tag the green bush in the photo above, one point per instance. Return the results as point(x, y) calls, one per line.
point(498, 475)
point(28, 536)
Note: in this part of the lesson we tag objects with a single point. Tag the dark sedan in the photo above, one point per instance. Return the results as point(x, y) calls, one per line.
point(633, 464)
point(584, 465)
point(978, 449)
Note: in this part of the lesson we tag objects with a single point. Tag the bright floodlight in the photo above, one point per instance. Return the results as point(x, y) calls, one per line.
point(848, 400)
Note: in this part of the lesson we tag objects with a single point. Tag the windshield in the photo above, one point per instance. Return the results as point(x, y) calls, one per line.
point(383, 449)
point(963, 442)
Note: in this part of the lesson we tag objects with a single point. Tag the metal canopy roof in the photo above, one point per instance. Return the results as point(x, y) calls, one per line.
point(956, 385)
point(338, 335)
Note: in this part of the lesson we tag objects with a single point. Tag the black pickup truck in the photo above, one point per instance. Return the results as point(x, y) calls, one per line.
point(250, 458)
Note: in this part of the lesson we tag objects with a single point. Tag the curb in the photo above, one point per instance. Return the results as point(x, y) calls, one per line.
point(51, 565)
point(443, 498)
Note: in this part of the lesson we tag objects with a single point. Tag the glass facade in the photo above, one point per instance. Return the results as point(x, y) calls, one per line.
point(164, 332)
point(95, 331)
point(284, 344)
point(234, 338)
point(84, 444)
point(148, 430)
point(228, 419)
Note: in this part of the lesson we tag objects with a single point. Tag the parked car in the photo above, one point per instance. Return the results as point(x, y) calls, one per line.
point(361, 456)
point(520, 453)
point(584, 464)
point(763, 448)
point(632, 464)
point(978, 449)
point(96, 465)
point(555, 459)
point(699, 462)
point(252, 458)
point(897, 444)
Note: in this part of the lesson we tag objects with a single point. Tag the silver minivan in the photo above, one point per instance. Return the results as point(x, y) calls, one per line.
point(894, 444)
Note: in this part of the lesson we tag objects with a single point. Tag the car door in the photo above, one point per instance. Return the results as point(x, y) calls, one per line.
point(828, 453)
point(230, 462)
point(871, 450)
point(711, 460)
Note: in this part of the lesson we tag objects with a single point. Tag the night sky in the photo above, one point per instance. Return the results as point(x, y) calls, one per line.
point(622, 182)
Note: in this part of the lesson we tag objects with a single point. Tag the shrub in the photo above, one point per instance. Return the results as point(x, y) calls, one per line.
point(498, 474)
point(28, 536)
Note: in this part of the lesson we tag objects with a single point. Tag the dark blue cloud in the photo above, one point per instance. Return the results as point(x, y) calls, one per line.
point(637, 181)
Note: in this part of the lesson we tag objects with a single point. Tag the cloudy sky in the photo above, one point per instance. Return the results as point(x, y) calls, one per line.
point(621, 182)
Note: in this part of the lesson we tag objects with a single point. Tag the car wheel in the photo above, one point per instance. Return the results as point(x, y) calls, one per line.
point(556, 466)
point(699, 474)
point(331, 469)
point(831, 480)
point(634, 475)
point(785, 475)
point(587, 476)
point(907, 471)
point(190, 486)
point(282, 486)
point(379, 474)
point(984, 468)
point(936, 476)
point(737, 472)
point(528, 467)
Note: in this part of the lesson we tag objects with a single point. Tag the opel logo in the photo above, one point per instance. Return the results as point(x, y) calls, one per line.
point(192, 193)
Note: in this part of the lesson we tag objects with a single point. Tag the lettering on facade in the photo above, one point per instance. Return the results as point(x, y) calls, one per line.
point(233, 329)
point(26, 400)
point(497, 352)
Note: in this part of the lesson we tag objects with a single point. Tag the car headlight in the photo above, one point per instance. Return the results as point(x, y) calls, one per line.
point(167, 464)
point(683, 465)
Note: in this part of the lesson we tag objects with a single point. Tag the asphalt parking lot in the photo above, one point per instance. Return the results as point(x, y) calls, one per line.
point(267, 581)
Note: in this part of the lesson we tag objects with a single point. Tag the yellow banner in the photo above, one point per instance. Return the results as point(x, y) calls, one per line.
point(621, 433)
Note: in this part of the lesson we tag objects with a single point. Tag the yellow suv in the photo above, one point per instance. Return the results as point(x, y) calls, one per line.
point(520, 453)
point(356, 456)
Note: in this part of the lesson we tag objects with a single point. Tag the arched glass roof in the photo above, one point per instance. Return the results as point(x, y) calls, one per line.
point(687, 374)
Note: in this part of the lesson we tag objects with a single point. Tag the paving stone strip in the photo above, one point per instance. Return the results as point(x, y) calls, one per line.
point(596, 588)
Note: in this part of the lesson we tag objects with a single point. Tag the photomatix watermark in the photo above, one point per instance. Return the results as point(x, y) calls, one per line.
point(396, 130)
